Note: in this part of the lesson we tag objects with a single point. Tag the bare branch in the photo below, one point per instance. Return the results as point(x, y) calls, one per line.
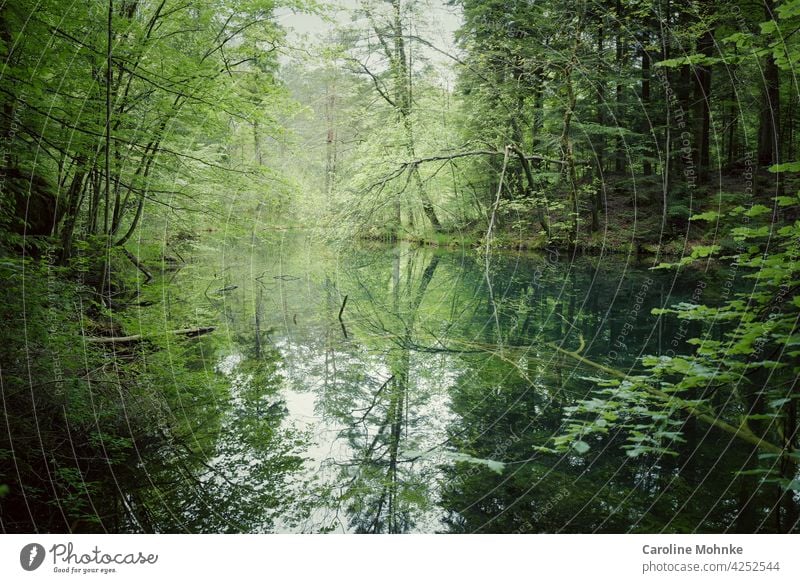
point(378, 85)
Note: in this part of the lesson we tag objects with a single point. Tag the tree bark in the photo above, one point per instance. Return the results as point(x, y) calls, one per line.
point(403, 99)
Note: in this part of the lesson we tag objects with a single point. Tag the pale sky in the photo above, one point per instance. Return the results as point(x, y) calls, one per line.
point(440, 23)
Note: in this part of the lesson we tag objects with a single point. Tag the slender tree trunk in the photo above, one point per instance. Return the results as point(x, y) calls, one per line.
point(647, 167)
point(257, 144)
point(109, 41)
point(666, 166)
point(403, 99)
point(153, 148)
point(95, 204)
point(702, 107)
point(619, 158)
point(769, 126)
point(733, 123)
point(9, 101)
point(600, 144)
point(542, 209)
point(70, 215)
point(330, 141)
point(538, 115)
point(567, 153)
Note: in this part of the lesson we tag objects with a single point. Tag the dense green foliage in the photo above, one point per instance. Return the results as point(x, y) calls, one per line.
point(593, 124)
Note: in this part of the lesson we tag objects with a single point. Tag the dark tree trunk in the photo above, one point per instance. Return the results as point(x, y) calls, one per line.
point(647, 166)
point(600, 143)
point(619, 159)
point(769, 127)
point(70, 211)
point(702, 108)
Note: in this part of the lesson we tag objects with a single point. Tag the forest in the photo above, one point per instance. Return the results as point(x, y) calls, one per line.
point(391, 266)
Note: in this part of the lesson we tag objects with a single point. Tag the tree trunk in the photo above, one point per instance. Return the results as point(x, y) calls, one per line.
point(109, 41)
point(567, 154)
point(619, 158)
point(403, 100)
point(538, 114)
point(733, 123)
point(330, 139)
point(70, 213)
point(257, 144)
point(189, 332)
point(647, 167)
point(666, 166)
point(600, 142)
point(769, 126)
point(702, 109)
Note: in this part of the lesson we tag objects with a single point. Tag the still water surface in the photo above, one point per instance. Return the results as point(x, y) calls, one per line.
point(420, 409)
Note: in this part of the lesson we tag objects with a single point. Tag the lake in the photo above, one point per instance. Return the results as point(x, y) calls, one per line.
point(396, 388)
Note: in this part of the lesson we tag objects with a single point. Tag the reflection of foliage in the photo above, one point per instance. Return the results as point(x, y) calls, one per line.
point(413, 350)
point(384, 489)
point(85, 420)
point(235, 476)
point(247, 484)
point(155, 441)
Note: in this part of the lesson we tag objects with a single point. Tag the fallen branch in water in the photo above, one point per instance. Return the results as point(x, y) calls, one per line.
point(190, 332)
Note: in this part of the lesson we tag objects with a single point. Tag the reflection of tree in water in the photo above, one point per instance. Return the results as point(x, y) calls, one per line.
point(382, 487)
point(433, 377)
point(242, 476)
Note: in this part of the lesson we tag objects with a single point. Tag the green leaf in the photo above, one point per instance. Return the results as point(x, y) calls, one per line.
point(784, 201)
point(757, 210)
point(706, 216)
point(785, 167)
point(793, 485)
point(581, 447)
point(704, 250)
point(740, 39)
point(769, 27)
point(696, 59)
